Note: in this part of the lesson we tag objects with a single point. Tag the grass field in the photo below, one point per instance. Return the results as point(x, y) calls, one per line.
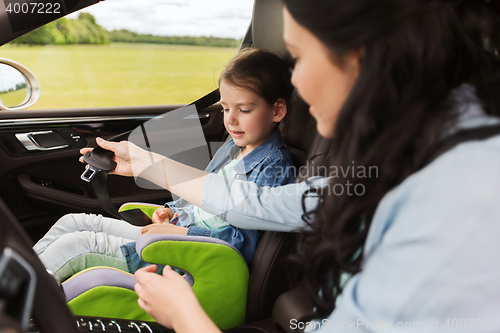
point(79, 76)
point(13, 98)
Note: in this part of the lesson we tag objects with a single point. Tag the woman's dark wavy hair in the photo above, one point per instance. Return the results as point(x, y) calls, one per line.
point(415, 53)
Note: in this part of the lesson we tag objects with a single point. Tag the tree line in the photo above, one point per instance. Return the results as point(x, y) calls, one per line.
point(85, 30)
point(126, 36)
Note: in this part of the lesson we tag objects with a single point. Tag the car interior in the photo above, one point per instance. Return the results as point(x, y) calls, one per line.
point(40, 181)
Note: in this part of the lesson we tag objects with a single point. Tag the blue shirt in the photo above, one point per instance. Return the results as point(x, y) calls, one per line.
point(207, 220)
point(432, 250)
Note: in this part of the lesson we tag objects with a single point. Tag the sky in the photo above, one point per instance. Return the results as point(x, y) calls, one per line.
point(9, 77)
point(217, 18)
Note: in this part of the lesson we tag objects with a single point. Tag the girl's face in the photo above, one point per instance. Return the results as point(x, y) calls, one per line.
point(321, 83)
point(248, 118)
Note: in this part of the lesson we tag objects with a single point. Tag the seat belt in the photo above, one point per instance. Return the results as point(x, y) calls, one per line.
point(294, 308)
point(100, 162)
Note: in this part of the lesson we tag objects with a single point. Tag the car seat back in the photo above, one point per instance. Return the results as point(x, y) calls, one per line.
point(269, 268)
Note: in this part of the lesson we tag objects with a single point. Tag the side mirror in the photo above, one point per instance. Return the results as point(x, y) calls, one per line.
point(19, 87)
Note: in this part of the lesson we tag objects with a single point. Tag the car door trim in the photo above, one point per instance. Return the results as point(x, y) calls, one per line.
point(67, 120)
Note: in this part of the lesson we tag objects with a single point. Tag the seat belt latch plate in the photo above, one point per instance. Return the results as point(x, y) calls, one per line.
point(89, 173)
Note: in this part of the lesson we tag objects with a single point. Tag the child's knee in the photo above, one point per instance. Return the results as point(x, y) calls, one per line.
point(69, 218)
point(71, 240)
point(77, 222)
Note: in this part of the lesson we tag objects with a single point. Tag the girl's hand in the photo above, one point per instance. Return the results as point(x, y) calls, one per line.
point(164, 228)
point(163, 215)
point(130, 159)
point(166, 298)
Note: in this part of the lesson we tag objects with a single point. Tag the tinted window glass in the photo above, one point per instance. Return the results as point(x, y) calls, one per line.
point(127, 53)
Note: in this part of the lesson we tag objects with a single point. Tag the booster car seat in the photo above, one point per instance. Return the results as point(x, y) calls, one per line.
point(216, 270)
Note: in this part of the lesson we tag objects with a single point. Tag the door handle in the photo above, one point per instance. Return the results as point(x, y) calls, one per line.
point(51, 140)
point(197, 116)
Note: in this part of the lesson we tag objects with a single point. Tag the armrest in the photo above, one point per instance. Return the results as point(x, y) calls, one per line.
point(219, 272)
point(292, 305)
point(94, 277)
point(104, 292)
point(147, 208)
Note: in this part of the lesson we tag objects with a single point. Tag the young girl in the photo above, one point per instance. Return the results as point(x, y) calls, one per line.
point(255, 93)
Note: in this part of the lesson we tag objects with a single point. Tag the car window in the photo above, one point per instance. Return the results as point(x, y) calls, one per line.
point(129, 53)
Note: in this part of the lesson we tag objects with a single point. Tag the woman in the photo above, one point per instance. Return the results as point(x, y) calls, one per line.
point(389, 80)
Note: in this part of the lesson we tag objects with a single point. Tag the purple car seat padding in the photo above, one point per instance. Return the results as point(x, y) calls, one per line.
point(95, 277)
point(187, 276)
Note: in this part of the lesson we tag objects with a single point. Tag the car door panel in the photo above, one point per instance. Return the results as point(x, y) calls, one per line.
point(41, 185)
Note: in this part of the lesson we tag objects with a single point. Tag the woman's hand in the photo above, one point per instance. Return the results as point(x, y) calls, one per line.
point(130, 159)
point(163, 215)
point(162, 296)
point(164, 228)
point(170, 300)
point(185, 181)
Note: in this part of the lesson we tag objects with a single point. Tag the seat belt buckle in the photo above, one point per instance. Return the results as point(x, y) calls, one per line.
point(89, 173)
point(97, 160)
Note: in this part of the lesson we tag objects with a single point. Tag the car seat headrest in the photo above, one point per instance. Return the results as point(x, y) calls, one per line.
point(267, 26)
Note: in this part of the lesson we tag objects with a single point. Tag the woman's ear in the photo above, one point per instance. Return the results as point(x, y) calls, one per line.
point(279, 110)
point(353, 60)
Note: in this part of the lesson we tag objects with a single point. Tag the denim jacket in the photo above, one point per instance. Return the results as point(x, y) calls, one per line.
point(269, 164)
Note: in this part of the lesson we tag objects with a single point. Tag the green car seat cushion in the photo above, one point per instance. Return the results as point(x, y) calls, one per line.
point(218, 271)
point(146, 208)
